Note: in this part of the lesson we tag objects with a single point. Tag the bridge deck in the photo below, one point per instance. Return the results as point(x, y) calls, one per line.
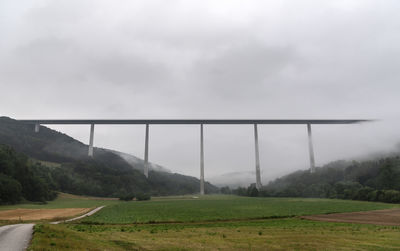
point(190, 121)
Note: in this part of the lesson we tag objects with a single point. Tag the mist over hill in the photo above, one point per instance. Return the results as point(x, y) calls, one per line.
point(234, 179)
point(376, 179)
point(138, 163)
point(63, 162)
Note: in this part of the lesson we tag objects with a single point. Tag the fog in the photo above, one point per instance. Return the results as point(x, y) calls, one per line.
point(91, 59)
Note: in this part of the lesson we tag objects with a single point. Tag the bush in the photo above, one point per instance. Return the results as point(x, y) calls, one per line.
point(127, 197)
point(252, 191)
point(265, 193)
point(143, 196)
point(380, 195)
point(225, 190)
point(372, 196)
point(364, 194)
point(391, 196)
point(241, 191)
point(347, 189)
point(318, 190)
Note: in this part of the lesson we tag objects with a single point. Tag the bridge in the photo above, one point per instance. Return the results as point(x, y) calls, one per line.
point(201, 123)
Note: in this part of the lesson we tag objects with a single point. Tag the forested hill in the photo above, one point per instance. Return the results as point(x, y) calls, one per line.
point(50, 145)
point(374, 180)
point(63, 163)
point(18, 179)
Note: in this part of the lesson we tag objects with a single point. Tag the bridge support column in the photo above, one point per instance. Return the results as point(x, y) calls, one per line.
point(146, 153)
point(90, 153)
point(258, 175)
point(201, 160)
point(37, 127)
point(311, 149)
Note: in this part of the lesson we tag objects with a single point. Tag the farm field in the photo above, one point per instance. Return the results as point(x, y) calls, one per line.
point(41, 214)
point(223, 207)
point(65, 201)
point(64, 207)
point(219, 223)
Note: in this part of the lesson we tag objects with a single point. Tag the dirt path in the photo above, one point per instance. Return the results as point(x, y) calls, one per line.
point(390, 217)
point(80, 217)
point(41, 214)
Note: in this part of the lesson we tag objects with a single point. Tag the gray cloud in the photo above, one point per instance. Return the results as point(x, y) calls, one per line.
point(208, 59)
point(250, 65)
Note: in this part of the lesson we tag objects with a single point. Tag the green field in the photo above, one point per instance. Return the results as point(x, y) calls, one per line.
point(219, 207)
point(65, 201)
point(213, 223)
point(272, 234)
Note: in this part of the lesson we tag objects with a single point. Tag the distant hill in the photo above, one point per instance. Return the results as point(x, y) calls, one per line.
point(373, 180)
point(63, 161)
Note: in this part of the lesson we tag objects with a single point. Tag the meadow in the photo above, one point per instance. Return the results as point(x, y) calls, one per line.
point(271, 234)
point(64, 201)
point(224, 207)
point(219, 223)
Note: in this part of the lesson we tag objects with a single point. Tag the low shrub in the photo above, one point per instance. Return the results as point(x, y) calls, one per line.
point(143, 196)
point(391, 196)
point(127, 197)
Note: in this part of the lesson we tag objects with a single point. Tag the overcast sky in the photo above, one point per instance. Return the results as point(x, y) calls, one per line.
point(208, 59)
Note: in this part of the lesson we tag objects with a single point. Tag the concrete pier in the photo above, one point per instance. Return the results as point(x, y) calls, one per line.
point(146, 152)
point(201, 160)
point(90, 153)
point(311, 149)
point(258, 175)
point(37, 127)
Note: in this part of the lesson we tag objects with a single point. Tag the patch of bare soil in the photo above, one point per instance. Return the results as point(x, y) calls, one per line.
point(389, 217)
point(41, 214)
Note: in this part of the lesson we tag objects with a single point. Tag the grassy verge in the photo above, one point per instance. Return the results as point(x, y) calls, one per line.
point(220, 208)
point(273, 234)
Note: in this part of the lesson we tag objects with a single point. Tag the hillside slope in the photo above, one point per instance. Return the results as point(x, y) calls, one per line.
point(373, 180)
point(106, 174)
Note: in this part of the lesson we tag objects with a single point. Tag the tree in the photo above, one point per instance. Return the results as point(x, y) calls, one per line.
point(252, 191)
point(225, 190)
point(10, 190)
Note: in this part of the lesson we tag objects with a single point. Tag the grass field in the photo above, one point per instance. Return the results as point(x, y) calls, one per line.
point(65, 201)
point(219, 207)
point(272, 234)
point(218, 223)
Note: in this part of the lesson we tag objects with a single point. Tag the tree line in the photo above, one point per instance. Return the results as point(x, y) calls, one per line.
point(18, 179)
point(373, 180)
point(24, 178)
